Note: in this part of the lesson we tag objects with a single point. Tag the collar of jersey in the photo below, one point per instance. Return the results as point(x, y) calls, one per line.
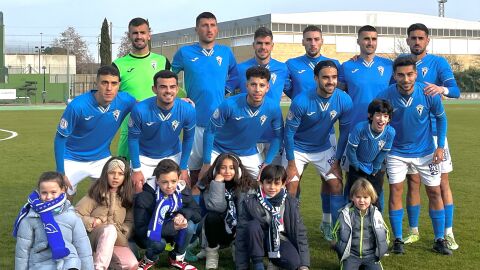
point(139, 56)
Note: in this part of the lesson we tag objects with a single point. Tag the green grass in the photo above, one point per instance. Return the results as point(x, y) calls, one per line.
point(26, 156)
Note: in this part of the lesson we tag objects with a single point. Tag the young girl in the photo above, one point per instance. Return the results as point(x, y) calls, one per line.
point(49, 234)
point(107, 213)
point(270, 223)
point(223, 188)
point(360, 233)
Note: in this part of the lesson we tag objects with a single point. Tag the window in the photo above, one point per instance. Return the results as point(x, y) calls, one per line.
point(274, 26)
point(281, 27)
point(338, 29)
point(351, 30)
point(289, 27)
point(434, 32)
point(297, 28)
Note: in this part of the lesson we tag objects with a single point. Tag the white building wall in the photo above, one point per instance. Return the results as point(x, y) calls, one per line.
point(55, 64)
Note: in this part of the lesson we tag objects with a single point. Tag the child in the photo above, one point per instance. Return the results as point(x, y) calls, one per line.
point(107, 213)
point(223, 188)
point(270, 223)
point(49, 233)
point(165, 212)
point(368, 145)
point(360, 233)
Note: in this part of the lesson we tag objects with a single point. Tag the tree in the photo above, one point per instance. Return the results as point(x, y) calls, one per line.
point(105, 45)
point(125, 44)
point(74, 43)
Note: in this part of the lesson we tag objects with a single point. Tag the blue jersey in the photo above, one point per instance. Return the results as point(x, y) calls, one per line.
point(90, 128)
point(435, 69)
point(310, 120)
point(278, 83)
point(301, 73)
point(411, 121)
point(367, 146)
point(206, 73)
point(364, 81)
point(154, 133)
point(237, 126)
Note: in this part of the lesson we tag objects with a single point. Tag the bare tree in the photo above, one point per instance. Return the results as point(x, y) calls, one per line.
point(125, 44)
point(71, 40)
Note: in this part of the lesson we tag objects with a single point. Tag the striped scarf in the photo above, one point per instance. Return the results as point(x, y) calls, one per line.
point(166, 205)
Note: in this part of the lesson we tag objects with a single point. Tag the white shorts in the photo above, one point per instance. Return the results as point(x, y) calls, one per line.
point(148, 165)
point(195, 161)
point(446, 165)
point(397, 168)
point(76, 171)
point(333, 141)
point(321, 160)
point(251, 163)
point(263, 150)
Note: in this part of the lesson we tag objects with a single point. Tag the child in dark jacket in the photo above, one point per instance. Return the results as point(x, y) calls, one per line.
point(165, 212)
point(270, 224)
point(360, 234)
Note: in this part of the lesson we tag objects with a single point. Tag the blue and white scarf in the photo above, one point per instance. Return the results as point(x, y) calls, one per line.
point(46, 211)
point(231, 214)
point(166, 205)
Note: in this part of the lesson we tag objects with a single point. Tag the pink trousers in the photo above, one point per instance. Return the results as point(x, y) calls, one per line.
point(106, 254)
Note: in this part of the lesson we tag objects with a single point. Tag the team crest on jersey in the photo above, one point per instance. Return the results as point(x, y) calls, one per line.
point(219, 60)
point(116, 114)
point(130, 122)
point(381, 69)
point(63, 123)
point(424, 71)
point(273, 77)
point(333, 114)
point(381, 143)
point(175, 124)
point(420, 109)
point(154, 65)
point(324, 106)
point(262, 119)
point(216, 114)
point(290, 115)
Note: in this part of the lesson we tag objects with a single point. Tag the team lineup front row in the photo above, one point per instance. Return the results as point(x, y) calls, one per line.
point(404, 127)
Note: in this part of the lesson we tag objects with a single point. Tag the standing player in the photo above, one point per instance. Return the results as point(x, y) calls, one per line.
point(155, 126)
point(413, 146)
point(136, 71)
point(436, 73)
point(237, 124)
point(87, 127)
point(262, 46)
point(206, 66)
point(311, 117)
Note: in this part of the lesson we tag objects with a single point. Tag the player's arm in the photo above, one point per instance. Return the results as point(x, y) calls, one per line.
point(177, 63)
point(233, 76)
point(441, 117)
point(134, 133)
point(344, 126)
point(187, 142)
point(277, 127)
point(377, 162)
point(351, 151)
point(449, 87)
point(294, 117)
point(288, 88)
point(218, 119)
point(341, 76)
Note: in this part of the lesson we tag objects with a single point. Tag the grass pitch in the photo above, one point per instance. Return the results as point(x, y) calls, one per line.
point(24, 157)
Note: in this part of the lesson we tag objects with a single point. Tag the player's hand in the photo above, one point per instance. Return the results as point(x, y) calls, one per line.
point(203, 171)
point(184, 176)
point(67, 182)
point(292, 172)
point(138, 180)
point(433, 89)
point(336, 170)
point(438, 155)
point(261, 167)
point(186, 99)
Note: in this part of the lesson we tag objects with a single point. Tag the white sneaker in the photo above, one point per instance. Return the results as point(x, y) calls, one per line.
point(451, 244)
point(211, 261)
point(202, 254)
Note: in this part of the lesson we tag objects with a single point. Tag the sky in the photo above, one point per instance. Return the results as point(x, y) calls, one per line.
point(25, 19)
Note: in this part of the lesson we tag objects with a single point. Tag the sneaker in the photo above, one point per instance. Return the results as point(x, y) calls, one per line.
point(202, 254)
point(211, 261)
point(326, 229)
point(233, 250)
point(440, 246)
point(412, 238)
point(145, 264)
point(179, 264)
point(451, 244)
point(397, 247)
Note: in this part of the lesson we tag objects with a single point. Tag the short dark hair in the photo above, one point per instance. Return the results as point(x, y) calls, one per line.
point(418, 26)
point(204, 15)
point(108, 70)
point(273, 173)
point(258, 72)
point(323, 64)
point(166, 166)
point(403, 61)
point(138, 21)
point(164, 74)
point(312, 28)
point(367, 28)
point(381, 106)
point(52, 176)
point(263, 32)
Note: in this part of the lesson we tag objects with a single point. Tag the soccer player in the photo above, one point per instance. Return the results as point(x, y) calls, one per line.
point(155, 126)
point(263, 46)
point(87, 127)
point(413, 146)
point(136, 71)
point(311, 116)
point(436, 73)
point(206, 66)
point(237, 124)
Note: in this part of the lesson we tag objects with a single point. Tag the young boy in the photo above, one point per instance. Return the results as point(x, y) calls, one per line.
point(270, 223)
point(165, 212)
point(368, 145)
point(361, 236)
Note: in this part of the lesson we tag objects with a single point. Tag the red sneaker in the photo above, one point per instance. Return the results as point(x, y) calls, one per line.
point(145, 264)
point(180, 264)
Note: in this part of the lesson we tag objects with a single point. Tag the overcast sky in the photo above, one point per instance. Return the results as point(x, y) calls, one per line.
point(25, 19)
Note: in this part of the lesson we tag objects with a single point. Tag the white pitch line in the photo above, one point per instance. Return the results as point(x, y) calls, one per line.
point(14, 134)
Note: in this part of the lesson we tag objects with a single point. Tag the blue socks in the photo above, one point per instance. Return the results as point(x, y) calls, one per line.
point(396, 217)
point(449, 216)
point(438, 222)
point(413, 212)
point(336, 202)
point(325, 203)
